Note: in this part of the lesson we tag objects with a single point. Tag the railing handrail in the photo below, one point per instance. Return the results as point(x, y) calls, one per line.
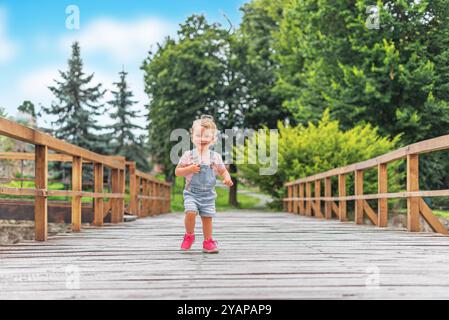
point(300, 200)
point(26, 134)
point(148, 195)
point(425, 146)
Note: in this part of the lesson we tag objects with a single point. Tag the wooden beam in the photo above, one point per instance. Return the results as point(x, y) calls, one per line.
point(328, 193)
point(318, 213)
point(382, 187)
point(98, 188)
point(426, 146)
point(121, 201)
point(290, 203)
point(302, 210)
point(132, 188)
point(358, 188)
point(308, 202)
point(413, 185)
point(77, 176)
point(145, 202)
point(115, 205)
point(335, 209)
point(19, 132)
point(295, 202)
point(370, 213)
point(40, 202)
point(342, 211)
point(431, 219)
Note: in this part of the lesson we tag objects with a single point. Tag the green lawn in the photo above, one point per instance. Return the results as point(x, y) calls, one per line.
point(438, 213)
point(246, 202)
point(51, 186)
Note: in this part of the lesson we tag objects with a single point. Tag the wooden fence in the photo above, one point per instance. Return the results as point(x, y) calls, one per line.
point(300, 200)
point(147, 195)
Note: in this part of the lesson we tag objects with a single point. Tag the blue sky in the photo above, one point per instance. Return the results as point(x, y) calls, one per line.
point(35, 43)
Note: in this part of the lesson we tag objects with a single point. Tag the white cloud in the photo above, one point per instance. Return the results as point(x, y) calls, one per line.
point(122, 41)
point(8, 49)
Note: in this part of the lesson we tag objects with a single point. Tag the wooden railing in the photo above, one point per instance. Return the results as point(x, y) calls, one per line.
point(300, 200)
point(148, 195)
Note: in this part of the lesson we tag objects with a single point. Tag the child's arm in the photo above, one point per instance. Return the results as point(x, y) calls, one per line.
point(185, 166)
point(227, 180)
point(182, 171)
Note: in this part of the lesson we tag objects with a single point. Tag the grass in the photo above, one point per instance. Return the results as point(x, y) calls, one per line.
point(245, 201)
point(438, 213)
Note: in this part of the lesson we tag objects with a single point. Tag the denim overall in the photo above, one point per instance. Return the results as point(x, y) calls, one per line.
point(200, 195)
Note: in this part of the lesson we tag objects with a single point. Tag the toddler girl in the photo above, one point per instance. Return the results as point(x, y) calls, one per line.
point(199, 167)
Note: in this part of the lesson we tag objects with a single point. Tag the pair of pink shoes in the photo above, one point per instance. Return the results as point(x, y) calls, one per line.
point(209, 246)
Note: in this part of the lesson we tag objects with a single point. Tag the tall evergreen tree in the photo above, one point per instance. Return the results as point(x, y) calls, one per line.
point(27, 107)
point(123, 140)
point(3, 113)
point(78, 103)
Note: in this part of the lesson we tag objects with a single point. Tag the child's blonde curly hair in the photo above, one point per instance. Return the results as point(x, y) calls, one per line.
point(205, 121)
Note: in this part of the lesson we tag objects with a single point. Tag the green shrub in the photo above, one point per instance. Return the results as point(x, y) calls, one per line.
point(304, 151)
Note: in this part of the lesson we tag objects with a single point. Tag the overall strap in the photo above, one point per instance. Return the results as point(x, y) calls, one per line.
point(211, 157)
point(195, 156)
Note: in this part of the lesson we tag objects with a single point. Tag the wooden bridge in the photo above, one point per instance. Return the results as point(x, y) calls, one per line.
point(297, 254)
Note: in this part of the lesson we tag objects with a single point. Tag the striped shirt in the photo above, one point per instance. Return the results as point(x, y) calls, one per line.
point(187, 160)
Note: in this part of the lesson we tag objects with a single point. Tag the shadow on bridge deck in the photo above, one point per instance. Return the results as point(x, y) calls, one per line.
point(263, 256)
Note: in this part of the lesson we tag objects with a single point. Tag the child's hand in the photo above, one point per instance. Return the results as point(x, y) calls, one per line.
point(228, 181)
point(194, 168)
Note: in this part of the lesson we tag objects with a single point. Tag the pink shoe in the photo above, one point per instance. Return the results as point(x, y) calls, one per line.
point(210, 246)
point(189, 239)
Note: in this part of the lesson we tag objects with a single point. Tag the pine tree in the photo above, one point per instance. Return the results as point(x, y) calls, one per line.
point(123, 141)
point(77, 105)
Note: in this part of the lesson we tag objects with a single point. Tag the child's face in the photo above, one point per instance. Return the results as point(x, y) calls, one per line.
point(202, 137)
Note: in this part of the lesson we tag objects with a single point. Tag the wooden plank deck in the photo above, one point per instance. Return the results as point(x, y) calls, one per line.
point(263, 256)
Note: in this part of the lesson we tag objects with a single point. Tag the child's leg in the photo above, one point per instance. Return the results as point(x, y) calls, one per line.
point(189, 221)
point(207, 227)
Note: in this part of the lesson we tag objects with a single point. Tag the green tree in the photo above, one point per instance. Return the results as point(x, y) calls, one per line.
point(77, 105)
point(193, 75)
point(3, 113)
point(260, 22)
point(27, 107)
point(123, 140)
point(394, 77)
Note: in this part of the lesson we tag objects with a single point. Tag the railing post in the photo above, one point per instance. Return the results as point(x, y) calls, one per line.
point(132, 189)
point(328, 193)
point(153, 189)
point(358, 188)
point(308, 201)
point(413, 185)
point(115, 204)
point(77, 182)
point(290, 203)
point(301, 201)
point(98, 188)
point(147, 202)
point(382, 186)
point(169, 189)
point(138, 201)
point(40, 201)
point(295, 202)
point(342, 211)
point(318, 201)
point(122, 191)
